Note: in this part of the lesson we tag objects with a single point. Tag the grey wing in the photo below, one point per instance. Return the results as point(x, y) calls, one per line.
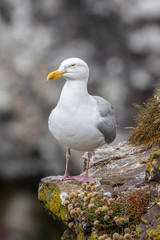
point(107, 122)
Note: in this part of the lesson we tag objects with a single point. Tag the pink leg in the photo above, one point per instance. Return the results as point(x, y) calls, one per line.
point(84, 177)
point(68, 155)
point(66, 175)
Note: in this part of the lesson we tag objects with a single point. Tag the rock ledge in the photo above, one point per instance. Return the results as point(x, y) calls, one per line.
point(122, 165)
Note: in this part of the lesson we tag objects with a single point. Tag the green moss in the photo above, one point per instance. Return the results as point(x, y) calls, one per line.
point(152, 170)
point(69, 235)
point(149, 172)
point(157, 201)
point(146, 222)
point(158, 217)
point(74, 233)
point(147, 130)
point(155, 164)
point(154, 154)
point(94, 236)
point(50, 196)
point(154, 233)
point(80, 236)
point(138, 229)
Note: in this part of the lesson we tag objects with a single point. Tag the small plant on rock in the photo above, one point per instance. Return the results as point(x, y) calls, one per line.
point(110, 218)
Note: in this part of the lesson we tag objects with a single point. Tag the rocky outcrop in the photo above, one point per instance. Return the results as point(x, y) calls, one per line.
point(123, 167)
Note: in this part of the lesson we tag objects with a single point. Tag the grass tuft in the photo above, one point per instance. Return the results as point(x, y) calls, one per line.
point(147, 131)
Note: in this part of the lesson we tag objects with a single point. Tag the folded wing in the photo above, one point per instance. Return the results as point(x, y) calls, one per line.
point(106, 123)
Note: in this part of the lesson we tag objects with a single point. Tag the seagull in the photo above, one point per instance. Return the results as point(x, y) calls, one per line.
point(80, 121)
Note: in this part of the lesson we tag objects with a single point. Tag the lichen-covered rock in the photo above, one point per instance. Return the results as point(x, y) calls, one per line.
point(69, 235)
point(154, 233)
point(80, 236)
point(94, 236)
point(116, 169)
point(52, 194)
point(152, 171)
point(149, 228)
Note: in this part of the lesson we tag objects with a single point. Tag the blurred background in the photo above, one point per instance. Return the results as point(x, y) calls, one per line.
point(120, 41)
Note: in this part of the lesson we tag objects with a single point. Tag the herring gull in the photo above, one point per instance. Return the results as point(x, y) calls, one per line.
point(80, 121)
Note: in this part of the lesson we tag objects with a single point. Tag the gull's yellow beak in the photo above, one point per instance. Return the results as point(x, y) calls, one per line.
point(54, 75)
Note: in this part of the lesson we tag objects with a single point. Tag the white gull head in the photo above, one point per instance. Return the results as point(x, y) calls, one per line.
point(74, 69)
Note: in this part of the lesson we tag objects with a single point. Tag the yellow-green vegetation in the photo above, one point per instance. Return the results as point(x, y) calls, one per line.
point(80, 236)
point(152, 171)
point(147, 131)
point(150, 222)
point(154, 233)
point(49, 194)
point(157, 201)
point(94, 236)
point(102, 217)
point(138, 231)
point(146, 222)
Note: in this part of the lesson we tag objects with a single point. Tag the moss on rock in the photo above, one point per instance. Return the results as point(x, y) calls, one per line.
point(138, 231)
point(145, 221)
point(49, 194)
point(94, 236)
point(157, 200)
point(149, 227)
point(154, 233)
point(69, 235)
point(152, 171)
point(80, 236)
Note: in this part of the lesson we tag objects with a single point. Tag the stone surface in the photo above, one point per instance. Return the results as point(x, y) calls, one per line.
point(52, 193)
point(121, 166)
point(149, 228)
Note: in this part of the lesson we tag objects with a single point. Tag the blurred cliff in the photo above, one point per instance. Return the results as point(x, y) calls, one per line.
point(120, 41)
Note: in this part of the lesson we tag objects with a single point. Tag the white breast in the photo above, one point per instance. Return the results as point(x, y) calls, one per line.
point(75, 127)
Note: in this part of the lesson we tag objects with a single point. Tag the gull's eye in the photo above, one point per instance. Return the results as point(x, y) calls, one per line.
point(73, 65)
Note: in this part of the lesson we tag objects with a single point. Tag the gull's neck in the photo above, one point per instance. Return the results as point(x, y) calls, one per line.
point(73, 91)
